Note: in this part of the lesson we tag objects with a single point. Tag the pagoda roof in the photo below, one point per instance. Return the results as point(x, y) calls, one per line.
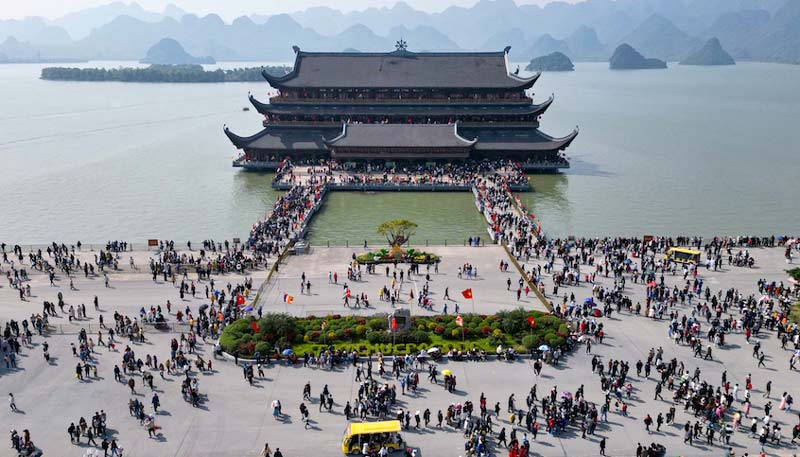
point(516, 139)
point(285, 138)
point(479, 138)
point(401, 69)
point(378, 109)
point(400, 136)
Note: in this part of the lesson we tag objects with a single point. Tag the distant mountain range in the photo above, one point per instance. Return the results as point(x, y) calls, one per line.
point(760, 30)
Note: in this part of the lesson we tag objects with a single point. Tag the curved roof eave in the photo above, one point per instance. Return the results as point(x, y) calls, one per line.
point(338, 137)
point(261, 107)
point(241, 141)
point(526, 83)
point(469, 142)
point(564, 142)
point(542, 107)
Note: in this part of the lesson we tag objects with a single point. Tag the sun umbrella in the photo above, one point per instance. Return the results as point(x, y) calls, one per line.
point(248, 309)
point(432, 350)
point(544, 347)
point(651, 284)
point(447, 372)
point(203, 308)
point(288, 352)
point(588, 300)
point(628, 261)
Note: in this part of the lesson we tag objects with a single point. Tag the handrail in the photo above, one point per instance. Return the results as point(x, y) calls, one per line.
point(344, 101)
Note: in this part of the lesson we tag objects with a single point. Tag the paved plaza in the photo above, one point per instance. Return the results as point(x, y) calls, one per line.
point(235, 418)
point(490, 287)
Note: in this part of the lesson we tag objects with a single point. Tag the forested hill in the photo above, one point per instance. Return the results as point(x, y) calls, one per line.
point(159, 74)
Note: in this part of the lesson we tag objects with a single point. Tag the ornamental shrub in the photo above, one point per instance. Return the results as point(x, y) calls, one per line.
point(531, 341)
point(422, 337)
point(438, 330)
point(264, 348)
point(378, 324)
point(361, 330)
point(377, 337)
point(495, 340)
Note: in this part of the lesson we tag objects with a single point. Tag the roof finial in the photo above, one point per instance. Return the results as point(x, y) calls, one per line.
point(401, 45)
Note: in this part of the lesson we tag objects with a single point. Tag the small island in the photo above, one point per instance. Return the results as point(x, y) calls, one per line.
point(160, 74)
point(170, 52)
point(627, 58)
point(556, 61)
point(710, 54)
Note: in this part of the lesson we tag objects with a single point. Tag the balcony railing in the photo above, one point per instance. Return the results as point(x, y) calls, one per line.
point(344, 101)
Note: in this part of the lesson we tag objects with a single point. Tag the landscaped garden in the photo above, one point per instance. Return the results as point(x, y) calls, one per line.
point(397, 232)
point(274, 333)
point(407, 256)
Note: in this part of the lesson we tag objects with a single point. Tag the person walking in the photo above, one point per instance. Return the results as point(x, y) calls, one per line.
point(603, 446)
point(11, 402)
point(267, 452)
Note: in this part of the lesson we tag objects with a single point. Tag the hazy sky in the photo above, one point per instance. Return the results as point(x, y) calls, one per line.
point(228, 9)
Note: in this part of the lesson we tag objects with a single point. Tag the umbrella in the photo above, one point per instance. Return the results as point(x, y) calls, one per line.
point(566, 394)
point(588, 300)
point(544, 347)
point(583, 338)
point(628, 261)
point(203, 308)
point(651, 284)
point(432, 350)
point(447, 372)
point(248, 309)
point(288, 352)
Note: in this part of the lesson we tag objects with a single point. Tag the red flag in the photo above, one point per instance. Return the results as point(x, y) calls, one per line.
point(467, 293)
point(239, 299)
point(254, 324)
point(531, 321)
point(394, 324)
point(459, 321)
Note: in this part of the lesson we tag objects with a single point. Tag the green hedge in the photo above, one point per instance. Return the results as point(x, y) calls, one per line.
point(409, 255)
point(280, 331)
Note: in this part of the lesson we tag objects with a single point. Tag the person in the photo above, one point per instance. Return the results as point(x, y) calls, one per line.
point(603, 446)
point(266, 452)
point(11, 402)
point(277, 452)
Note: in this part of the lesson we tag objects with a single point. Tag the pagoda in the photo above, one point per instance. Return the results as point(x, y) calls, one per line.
point(401, 106)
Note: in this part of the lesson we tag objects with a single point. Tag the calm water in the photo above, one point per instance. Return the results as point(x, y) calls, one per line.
point(449, 217)
point(686, 150)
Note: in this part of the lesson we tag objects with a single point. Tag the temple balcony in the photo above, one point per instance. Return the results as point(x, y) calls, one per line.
point(514, 101)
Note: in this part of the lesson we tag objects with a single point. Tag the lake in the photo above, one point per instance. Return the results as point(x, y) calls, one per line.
point(680, 151)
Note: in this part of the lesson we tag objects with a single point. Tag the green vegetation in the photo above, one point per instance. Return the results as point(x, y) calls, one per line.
point(409, 256)
point(159, 74)
point(794, 273)
point(794, 313)
point(397, 231)
point(370, 335)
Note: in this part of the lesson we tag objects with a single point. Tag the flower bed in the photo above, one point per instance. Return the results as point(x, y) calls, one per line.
point(407, 256)
point(276, 332)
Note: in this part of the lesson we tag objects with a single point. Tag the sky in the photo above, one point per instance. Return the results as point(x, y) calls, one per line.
point(227, 9)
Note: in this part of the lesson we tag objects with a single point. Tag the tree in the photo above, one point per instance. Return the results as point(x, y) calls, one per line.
point(397, 231)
